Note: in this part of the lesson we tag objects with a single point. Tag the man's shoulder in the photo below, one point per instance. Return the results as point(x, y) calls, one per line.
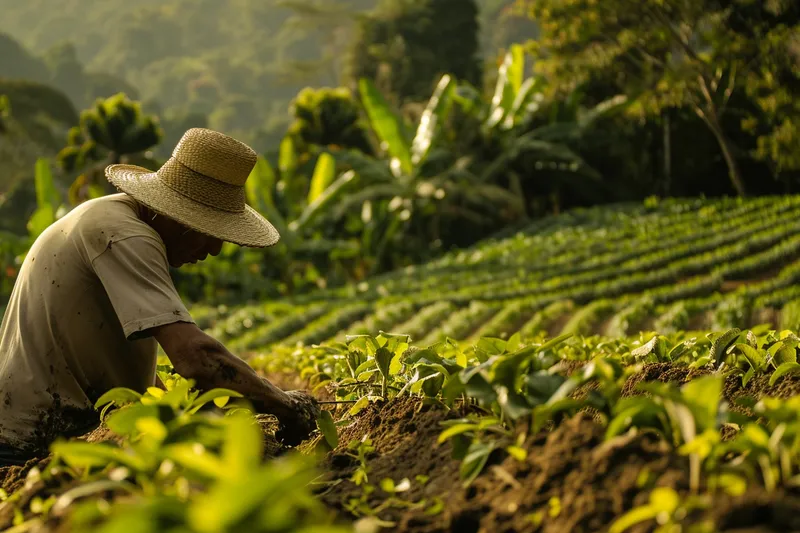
point(108, 219)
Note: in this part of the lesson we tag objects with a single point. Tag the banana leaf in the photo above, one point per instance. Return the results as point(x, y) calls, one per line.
point(435, 113)
point(388, 127)
point(368, 168)
point(287, 158)
point(324, 173)
point(258, 190)
point(47, 199)
point(323, 201)
point(524, 102)
point(509, 81)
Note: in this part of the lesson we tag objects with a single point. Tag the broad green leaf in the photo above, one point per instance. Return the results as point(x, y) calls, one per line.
point(211, 395)
point(639, 412)
point(329, 195)
point(324, 173)
point(197, 459)
point(516, 69)
point(748, 376)
point(491, 346)
point(243, 446)
point(328, 428)
point(476, 458)
point(287, 158)
point(514, 342)
point(118, 396)
point(784, 369)
point(509, 81)
point(41, 219)
point(754, 356)
point(512, 404)
point(722, 343)
point(46, 192)
point(383, 357)
point(541, 386)
point(480, 389)
point(388, 126)
point(787, 354)
point(258, 190)
point(434, 114)
point(358, 406)
point(456, 429)
point(85, 454)
point(645, 349)
point(151, 426)
point(702, 396)
point(123, 421)
point(268, 489)
point(680, 349)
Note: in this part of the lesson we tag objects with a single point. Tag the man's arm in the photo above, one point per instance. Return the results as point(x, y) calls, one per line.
point(198, 356)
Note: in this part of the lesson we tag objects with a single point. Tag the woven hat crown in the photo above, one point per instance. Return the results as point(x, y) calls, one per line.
point(215, 155)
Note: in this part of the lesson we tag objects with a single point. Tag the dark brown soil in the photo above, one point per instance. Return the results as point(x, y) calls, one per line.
point(592, 481)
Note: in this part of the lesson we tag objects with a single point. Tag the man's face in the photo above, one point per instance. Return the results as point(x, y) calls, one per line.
point(183, 245)
point(188, 246)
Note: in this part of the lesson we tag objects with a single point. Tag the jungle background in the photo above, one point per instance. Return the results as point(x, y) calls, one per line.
point(391, 131)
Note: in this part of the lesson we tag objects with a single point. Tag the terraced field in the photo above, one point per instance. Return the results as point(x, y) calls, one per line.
point(625, 370)
point(678, 265)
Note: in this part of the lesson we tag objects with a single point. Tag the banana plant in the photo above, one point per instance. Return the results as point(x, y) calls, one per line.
point(542, 151)
point(48, 200)
point(324, 189)
point(420, 183)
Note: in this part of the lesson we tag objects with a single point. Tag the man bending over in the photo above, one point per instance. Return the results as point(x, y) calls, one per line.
point(94, 297)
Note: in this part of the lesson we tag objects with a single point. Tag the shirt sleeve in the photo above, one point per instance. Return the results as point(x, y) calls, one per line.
point(135, 275)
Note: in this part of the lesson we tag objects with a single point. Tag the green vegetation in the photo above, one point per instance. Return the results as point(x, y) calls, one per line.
point(510, 264)
point(489, 357)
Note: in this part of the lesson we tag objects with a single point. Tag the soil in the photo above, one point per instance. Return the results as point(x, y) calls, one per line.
point(570, 481)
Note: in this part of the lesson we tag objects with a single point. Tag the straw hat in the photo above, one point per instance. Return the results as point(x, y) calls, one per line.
point(202, 187)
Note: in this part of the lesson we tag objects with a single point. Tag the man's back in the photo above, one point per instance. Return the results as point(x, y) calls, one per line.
point(87, 286)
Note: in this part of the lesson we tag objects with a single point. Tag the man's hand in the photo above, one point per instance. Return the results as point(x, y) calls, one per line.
point(300, 420)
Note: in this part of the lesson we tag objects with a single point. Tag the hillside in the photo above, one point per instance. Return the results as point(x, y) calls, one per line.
point(678, 265)
point(236, 63)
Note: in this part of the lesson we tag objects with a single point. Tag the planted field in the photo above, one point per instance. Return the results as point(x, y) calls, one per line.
point(620, 369)
point(679, 265)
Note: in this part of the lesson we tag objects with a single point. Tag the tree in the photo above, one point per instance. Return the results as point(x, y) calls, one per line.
point(114, 131)
point(407, 45)
point(672, 53)
point(328, 117)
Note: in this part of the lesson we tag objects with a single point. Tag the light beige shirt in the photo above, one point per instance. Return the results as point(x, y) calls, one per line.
point(90, 284)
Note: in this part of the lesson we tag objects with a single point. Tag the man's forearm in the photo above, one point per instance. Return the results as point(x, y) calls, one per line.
point(216, 367)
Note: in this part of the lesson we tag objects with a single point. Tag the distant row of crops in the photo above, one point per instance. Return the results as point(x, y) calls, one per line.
point(669, 266)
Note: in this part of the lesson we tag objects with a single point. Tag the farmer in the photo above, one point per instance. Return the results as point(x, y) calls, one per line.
point(94, 297)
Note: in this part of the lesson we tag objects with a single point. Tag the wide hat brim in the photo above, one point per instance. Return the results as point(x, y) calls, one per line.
point(245, 228)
